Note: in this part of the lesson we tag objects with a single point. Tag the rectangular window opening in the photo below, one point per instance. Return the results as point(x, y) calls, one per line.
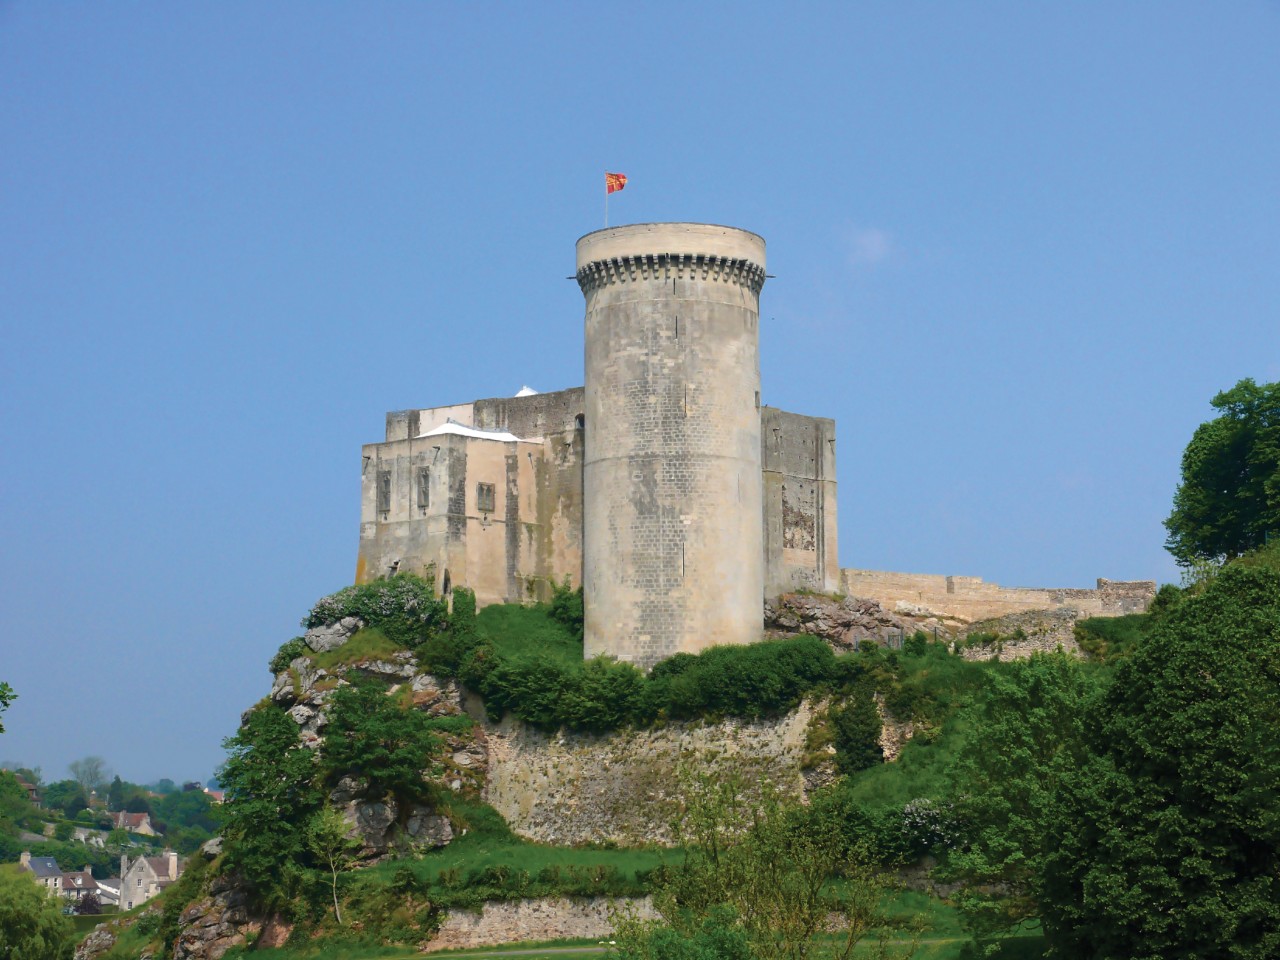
point(485, 497)
point(384, 491)
point(424, 488)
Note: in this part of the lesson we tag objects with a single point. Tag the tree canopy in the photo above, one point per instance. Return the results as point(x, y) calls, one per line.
point(1229, 499)
point(268, 782)
point(7, 696)
point(32, 926)
point(1172, 831)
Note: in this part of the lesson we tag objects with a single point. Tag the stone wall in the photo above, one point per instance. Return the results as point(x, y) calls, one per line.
point(578, 788)
point(518, 921)
point(969, 598)
point(798, 456)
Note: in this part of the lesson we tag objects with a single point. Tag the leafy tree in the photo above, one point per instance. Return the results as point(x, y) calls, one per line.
point(115, 794)
point(165, 785)
point(329, 839)
point(139, 802)
point(1229, 499)
point(270, 796)
point(91, 773)
point(32, 926)
point(187, 808)
point(756, 879)
point(1026, 736)
point(1171, 831)
point(373, 737)
point(88, 905)
point(7, 696)
point(67, 796)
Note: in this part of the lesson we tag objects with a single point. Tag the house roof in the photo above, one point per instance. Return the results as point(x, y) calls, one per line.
point(462, 430)
point(129, 820)
point(81, 882)
point(161, 867)
point(44, 867)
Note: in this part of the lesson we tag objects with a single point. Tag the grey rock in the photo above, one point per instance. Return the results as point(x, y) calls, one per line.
point(427, 829)
point(322, 639)
point(211, 848)
point(98, 942)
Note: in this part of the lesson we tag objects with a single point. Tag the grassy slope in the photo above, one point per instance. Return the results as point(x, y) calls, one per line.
point(517, 631)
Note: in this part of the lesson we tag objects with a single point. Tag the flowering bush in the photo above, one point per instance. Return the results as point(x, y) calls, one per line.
point(404, 607)
point(929, 826)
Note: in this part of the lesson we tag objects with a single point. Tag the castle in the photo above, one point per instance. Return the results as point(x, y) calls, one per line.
point(663, 485)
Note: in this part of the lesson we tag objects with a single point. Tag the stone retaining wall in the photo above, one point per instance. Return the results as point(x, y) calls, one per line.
point(516, 921)
point(568, 788)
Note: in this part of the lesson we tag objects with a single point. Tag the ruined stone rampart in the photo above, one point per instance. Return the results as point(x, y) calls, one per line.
point(970, 598)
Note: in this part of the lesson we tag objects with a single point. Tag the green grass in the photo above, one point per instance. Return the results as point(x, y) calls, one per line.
point(515, 630)
point(367, 644)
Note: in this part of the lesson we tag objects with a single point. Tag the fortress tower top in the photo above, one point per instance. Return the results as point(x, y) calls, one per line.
point(641, 241)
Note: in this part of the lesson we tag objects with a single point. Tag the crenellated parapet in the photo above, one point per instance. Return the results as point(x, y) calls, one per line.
point(667, 266)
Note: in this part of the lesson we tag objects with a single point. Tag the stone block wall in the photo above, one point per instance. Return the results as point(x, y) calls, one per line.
point(568, 788)
point(970, 598)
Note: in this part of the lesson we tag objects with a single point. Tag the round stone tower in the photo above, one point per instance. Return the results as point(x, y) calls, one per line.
point(673, 557)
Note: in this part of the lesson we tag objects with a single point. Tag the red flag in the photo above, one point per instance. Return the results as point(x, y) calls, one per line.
point(614, 181)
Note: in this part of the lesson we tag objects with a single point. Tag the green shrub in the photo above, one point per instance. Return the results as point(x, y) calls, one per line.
point(404, 607)
point(856, 729)
point(445, 651)
point(750, 681)
point(566, 608)
point(289, 651)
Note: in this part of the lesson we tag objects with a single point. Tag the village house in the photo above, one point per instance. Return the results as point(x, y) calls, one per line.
point(139, 823)
point(79, 884)
point(144, 877)
point(33, 792)
point(46, 871)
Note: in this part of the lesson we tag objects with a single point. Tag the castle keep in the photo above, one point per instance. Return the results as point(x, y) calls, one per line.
point(663, 486)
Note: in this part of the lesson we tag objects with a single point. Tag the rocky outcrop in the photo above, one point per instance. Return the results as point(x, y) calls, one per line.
point(214, 924)
point(323, 639)
point(560, 918)
point(378, 826)
point(100, 939)
point(844, 622)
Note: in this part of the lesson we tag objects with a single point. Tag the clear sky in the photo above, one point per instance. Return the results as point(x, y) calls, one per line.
point(1018, 247)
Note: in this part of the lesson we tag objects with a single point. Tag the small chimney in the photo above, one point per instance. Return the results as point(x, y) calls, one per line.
point(25, 859)
point(173, 864)
point(124, 864)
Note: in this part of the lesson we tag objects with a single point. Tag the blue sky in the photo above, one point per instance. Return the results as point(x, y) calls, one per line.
point(1017, 247)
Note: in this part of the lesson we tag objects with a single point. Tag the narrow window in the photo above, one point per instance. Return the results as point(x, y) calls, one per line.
point(384, 491)
point(424, 488)
point(484, 497)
